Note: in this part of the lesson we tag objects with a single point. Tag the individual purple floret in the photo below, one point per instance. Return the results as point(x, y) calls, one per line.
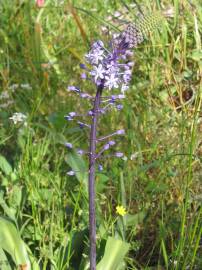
point(70, 116)
point(80, 152)
point(85, 95)
point(83, 66)
point(100, 167)
point(83, 76)
point(91, 113)
point(106, 146)
point(74, 89)
point(71, 173)
point(68, 145)
point(82, 125)
point(119, 107)
point(120, 132)
point(115, 97)
point(112, 143)
point(118, 154)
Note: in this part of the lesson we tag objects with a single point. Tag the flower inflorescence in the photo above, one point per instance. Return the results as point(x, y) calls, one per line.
point(108, 68)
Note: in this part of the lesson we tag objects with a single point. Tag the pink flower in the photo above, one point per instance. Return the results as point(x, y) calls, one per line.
point(40, 3)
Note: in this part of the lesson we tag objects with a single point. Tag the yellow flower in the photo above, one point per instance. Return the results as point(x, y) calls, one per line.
point(120, 210)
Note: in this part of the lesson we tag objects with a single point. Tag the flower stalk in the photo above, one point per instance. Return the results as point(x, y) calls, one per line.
point(91, 180)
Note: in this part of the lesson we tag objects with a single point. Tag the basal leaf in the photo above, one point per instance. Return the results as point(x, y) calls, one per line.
point(115, 252)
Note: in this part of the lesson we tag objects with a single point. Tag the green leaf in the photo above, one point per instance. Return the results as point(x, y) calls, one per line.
point(134, 220)
point(115, 252)
point(196, 55)
point(11, 242)
point(9, 211)
point(101, 182)
point(4, 264)
point(15, 197)
point(154, 187)
point(5, 166)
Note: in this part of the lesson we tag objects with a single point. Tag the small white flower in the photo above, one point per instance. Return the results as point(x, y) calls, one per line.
point(18, 117)
point(13, 87)
point(4, 95)
point(26, 86)
point(117, 14)
point(134, 156)
point(7, 104)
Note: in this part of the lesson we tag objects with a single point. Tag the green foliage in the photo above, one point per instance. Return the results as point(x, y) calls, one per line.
point(12, 244)
point(44, 212)
point(115, 251)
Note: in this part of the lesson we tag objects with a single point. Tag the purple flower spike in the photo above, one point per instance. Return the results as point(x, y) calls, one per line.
point(68, 145)
point(71, 173)
point(120, 132)
point(119, 154)
point(110, 67)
